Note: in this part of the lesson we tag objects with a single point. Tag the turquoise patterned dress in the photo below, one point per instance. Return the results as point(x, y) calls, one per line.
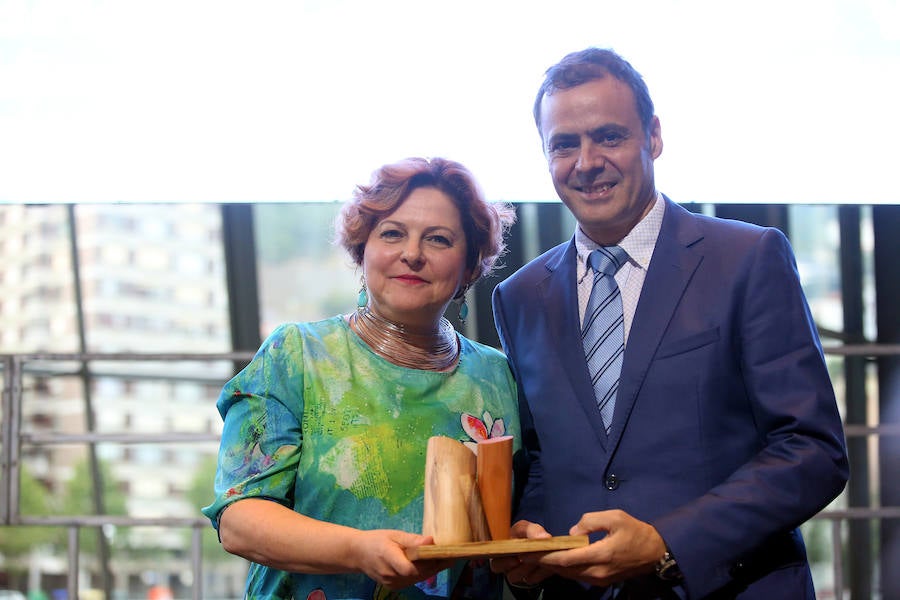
point(321, 424)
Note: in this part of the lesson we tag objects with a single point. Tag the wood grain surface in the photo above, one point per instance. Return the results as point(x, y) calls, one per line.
point(496, 548)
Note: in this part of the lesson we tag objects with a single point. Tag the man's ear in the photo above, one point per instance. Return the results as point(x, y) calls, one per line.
point(654, 137)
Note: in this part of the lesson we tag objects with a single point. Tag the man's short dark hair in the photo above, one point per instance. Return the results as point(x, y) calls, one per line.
point(586, 65)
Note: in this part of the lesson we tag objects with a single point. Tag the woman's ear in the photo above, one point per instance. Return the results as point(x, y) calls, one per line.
point(468, 280)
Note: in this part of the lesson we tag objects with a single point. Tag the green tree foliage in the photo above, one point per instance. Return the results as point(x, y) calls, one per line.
point(17, 541)
point(200, 494)
point(286, 231)
point(77, 499)
point(817, 537)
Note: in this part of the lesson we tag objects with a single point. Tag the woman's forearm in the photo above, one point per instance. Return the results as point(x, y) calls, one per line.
point(268, 533)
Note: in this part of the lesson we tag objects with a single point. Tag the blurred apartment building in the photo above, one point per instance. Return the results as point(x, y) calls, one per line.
point(151, 280)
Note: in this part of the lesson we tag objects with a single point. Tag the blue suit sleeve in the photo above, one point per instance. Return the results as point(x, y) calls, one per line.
point(528, 496)
point(802, 460)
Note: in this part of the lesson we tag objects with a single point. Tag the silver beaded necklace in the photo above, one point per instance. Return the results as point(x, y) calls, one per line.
point(395, 342)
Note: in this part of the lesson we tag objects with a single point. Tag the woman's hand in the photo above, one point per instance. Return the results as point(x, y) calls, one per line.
point(268, 533)
point(381, 555)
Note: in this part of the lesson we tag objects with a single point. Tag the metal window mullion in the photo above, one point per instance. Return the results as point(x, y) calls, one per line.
point(197, 562)
point(12, 423)
point(72, 583)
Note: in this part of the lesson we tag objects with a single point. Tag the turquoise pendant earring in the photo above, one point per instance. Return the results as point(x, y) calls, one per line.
point(362, 299)
point(463, 306)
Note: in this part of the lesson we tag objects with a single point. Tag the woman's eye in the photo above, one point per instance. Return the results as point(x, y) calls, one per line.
point(391, 234)
point(440, 239)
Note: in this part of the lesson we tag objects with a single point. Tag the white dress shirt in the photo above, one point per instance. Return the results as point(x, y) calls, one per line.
point(639, 244)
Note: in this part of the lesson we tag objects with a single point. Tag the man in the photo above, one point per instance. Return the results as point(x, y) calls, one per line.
point(718, 433)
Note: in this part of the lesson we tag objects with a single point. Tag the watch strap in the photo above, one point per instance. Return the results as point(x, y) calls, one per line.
point(667, 568)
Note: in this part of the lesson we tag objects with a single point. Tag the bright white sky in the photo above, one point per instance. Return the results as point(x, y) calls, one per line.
point(290, 100)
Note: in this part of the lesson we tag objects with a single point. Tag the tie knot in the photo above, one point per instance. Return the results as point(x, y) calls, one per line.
point(607, 259)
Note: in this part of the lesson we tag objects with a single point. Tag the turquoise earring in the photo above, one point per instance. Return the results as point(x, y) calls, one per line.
point(362, 299)
point(463, 306)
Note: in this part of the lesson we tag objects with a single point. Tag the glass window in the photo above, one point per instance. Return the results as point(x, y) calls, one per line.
point(303, 275)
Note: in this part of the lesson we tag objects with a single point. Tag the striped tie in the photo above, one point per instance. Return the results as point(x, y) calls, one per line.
point(603, 331)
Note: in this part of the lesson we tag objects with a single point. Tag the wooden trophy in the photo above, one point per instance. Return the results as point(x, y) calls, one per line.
point(468, 503)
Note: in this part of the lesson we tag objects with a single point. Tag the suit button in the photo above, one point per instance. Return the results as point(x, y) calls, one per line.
point(612, 481)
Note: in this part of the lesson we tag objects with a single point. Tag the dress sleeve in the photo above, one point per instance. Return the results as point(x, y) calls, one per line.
point(262, 408)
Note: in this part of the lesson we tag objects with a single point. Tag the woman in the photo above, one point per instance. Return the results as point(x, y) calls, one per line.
point(321, 467)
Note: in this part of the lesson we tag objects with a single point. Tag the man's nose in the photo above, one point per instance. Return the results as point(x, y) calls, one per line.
point(590, 157)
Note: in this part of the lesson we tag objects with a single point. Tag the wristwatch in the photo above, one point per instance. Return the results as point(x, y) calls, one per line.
point(667, 568)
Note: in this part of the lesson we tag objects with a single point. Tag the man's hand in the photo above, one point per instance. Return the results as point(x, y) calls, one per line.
point(518, 572)
point(630, 548)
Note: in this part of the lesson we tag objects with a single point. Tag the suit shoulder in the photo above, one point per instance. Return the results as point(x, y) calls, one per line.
point(732, 232)
point(537, 268)
point(733, 242)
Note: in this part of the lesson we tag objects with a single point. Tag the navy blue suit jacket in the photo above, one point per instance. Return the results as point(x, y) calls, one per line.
point(726, 434)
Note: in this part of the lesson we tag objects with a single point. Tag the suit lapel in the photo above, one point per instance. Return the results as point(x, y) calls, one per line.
point(675, 259)
point(558, 293)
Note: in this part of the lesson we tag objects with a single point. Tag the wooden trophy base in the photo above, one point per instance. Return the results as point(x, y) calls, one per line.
point(496, 548)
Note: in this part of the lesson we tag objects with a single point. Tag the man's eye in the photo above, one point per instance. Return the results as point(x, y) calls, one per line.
point(561, 146)
point(610, 138)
